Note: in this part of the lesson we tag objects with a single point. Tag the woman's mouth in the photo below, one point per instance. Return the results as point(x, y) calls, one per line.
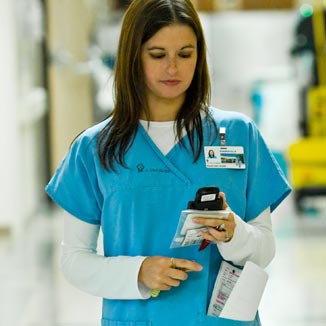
point(171, 82)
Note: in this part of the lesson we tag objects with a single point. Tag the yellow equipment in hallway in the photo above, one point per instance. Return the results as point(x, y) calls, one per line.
point(308, 155)
point(316, 115)
point(308, 168)
point(316, 104)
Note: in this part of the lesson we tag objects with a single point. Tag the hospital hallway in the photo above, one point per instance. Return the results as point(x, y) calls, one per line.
point(57, 64)
point(33, 291)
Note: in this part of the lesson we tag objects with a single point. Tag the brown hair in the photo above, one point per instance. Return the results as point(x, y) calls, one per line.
point(141, 21)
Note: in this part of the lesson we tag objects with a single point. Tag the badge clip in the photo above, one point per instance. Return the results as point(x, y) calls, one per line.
point(222, 132)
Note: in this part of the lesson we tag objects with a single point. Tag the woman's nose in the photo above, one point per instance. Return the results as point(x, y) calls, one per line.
point(172, 66)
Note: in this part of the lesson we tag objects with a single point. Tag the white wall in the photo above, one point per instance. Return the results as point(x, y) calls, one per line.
point(244, 46)
point(250, 48)
point(23, 108)
point(10, 161)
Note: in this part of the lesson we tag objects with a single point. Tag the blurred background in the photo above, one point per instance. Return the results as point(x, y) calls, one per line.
point(267, 59)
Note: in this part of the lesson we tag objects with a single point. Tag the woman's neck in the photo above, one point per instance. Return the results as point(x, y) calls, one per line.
point(163, 109)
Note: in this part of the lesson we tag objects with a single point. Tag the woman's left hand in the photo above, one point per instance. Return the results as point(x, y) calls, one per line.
point(219, 230)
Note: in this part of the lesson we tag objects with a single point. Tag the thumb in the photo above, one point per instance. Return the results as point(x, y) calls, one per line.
point(225, 204)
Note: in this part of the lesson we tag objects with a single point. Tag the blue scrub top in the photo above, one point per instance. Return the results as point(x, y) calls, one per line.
point(138, 209)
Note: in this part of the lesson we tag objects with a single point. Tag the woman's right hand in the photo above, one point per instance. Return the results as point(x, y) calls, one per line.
point(163, 273)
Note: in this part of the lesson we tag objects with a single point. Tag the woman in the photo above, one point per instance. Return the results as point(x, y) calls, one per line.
point(133, 173)
point(211, 154)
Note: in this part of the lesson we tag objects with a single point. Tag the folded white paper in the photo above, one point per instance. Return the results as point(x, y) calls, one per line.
point(237, 293)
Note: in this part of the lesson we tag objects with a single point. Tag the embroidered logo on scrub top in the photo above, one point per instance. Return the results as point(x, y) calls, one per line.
point(141, 169)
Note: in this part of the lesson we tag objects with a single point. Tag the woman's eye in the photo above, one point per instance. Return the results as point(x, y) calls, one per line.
point(157, 56)
point(185, 55)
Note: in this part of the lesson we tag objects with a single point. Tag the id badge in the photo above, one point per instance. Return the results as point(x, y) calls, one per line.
point(224, 157)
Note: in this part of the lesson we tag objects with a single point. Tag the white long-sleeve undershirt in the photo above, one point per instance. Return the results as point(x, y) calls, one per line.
point(253, 241)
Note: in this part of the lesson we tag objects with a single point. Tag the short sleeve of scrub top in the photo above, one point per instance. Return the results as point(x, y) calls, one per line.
point(74, 185)
point(266, 184)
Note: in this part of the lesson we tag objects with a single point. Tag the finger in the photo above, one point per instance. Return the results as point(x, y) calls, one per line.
point(173, 279)
point(213, 235)
point(217, 234)
point(207, 236)
point(165, 282)
point(178, 274)
point(171, 282)
point(188, 265)
point(221, 236)
point(212, 222)
point(222, 195)
point(163, 287)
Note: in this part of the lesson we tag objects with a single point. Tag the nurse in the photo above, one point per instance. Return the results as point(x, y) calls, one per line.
point(131, 175)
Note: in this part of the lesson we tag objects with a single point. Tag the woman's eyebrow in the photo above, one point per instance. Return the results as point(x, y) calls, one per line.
point(190, 46)
point(155, 48)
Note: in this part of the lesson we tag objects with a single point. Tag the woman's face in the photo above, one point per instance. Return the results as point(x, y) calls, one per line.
point(169, 60)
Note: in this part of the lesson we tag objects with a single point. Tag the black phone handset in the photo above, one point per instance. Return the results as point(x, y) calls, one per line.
point(207, 199)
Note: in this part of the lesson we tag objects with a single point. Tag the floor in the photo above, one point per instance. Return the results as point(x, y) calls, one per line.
point(34, 293)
